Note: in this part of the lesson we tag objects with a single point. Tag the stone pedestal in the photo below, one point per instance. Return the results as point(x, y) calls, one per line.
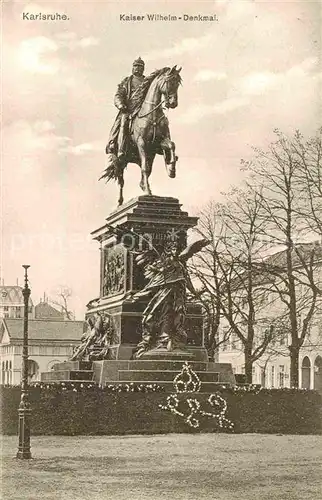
point(143, 223)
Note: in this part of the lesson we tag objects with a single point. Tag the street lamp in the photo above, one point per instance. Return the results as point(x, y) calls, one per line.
point(24, 410)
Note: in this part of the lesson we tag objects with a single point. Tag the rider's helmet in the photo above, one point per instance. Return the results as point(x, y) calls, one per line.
point(138, 62)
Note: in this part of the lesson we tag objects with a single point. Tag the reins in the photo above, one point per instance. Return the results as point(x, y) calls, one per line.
point(158, 105)
point(151, 111)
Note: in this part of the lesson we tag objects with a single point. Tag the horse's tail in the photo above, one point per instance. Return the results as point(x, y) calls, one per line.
point(113, 169)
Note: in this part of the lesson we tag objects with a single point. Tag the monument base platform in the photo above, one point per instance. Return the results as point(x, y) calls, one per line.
point(140, 372)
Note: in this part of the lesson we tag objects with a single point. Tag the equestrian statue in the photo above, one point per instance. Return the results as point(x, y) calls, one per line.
point(141, 129)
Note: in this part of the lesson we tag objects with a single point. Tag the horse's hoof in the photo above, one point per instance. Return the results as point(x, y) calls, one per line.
point(172, 171)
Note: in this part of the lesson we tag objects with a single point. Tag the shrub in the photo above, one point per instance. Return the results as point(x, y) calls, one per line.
point(88, 409)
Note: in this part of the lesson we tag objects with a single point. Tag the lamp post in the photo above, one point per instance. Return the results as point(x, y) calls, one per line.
point(24, 410)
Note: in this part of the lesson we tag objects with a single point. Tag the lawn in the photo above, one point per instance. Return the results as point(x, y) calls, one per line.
point(172, 467)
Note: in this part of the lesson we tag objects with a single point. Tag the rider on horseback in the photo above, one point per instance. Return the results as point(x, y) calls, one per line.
point(141, 129)
point(126, 90)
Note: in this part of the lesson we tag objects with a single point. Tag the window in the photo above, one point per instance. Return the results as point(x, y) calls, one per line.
point(56, 350)
point(263, 376)
point(34, 350)
point(234, 342)
point(320, 328)
point(18, 312)
point(6, 308)
point(281, 375)
point(42, 349)
point(17, 350)
point(273, 376)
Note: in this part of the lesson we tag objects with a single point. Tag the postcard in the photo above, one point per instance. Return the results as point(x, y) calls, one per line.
point(161, 233)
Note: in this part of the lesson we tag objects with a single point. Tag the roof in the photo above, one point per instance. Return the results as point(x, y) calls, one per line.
point(45, 311)
point(12, 295)
point(305, 250)
point(45, 329)
point(264, 271)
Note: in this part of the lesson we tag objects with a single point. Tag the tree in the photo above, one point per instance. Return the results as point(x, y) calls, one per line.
point(307, 155)
point(226, 269)
point(63, 294)
point(204, 269)
point(212, 314)
point(280, 176)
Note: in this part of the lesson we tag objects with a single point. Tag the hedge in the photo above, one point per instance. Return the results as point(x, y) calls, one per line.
point(91, 410)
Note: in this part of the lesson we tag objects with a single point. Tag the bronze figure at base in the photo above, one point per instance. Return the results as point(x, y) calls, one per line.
point(163, 320)
point(96, 341)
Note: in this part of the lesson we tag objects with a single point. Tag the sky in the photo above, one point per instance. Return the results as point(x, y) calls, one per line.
point(256, 68)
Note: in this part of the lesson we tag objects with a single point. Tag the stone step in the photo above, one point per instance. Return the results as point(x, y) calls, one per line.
point(207, 387)
point(67, 382)
point(162, 376)
point(164, 355)
point(71, 375)
point(73, 365)
point(165, 365)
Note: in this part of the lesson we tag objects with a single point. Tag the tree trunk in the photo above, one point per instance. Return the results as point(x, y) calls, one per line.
point(248, 365)
point(294, 357)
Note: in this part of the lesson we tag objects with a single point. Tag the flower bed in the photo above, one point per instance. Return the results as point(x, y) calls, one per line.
point(136, 409)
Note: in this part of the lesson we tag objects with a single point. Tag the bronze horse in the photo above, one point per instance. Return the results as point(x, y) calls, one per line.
point(149, 132)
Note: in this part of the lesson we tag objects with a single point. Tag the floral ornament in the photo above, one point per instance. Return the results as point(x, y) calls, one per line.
point(111, 388)
point(187, 380)
point(252, 388)
point(133, 388)
point(190, 409)
point(216, 401)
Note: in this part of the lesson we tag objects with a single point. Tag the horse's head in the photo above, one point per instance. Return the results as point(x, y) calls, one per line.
point(169, 87)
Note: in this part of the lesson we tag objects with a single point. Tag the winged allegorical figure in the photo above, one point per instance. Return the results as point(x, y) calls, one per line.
point(168, 281)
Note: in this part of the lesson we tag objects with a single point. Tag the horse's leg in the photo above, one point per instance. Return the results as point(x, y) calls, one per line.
point(169, 150)
point(120, 181)
point(150, 160)
point(145, 168)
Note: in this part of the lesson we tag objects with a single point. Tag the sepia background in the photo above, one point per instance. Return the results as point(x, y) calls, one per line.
point(255, 69)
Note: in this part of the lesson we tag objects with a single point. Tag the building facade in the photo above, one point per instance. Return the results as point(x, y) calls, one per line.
point(50, 341)
point(12, 303)
point(272, 370)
